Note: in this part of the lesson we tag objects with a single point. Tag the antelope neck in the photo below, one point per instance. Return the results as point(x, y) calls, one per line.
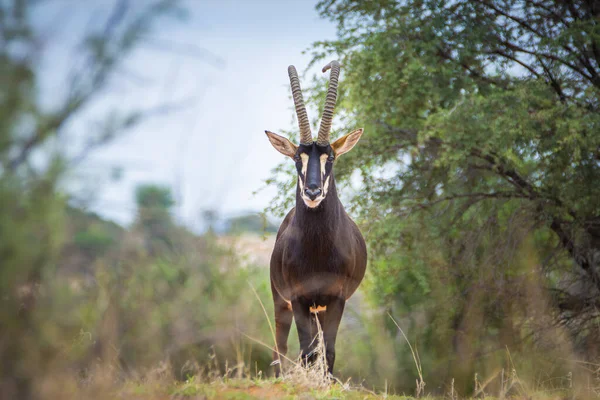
point(324, 215)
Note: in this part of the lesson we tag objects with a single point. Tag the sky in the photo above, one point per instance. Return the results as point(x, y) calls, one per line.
point(224, 68)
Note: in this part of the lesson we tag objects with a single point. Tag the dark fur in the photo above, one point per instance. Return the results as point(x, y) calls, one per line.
point(319, 259)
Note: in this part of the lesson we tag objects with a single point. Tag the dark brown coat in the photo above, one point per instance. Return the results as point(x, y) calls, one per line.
point(319, 260)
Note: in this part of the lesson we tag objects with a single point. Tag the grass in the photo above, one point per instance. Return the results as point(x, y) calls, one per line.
point(276, 389)
point(245, 389)
point(296, 382)
point(300, 382)
point(314, 375)
point(420, 383)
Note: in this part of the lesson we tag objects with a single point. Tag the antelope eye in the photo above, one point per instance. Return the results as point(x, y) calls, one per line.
point(331, 158)
point(297, 158)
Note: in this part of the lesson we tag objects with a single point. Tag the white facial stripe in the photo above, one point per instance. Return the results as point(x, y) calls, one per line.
point(325, 186)
point(304, 158)
point(323, 160)
point(324, 181)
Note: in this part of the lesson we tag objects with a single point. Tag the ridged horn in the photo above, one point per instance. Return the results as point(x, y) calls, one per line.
point(305, 134)
point(325, 127)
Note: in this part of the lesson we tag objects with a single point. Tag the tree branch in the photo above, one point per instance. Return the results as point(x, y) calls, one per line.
point(515, 59)
point(553, 82)
point(445, 55)
point(579, 258)
point(475, 196)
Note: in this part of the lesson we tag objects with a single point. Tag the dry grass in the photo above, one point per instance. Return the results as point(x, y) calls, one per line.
point(420, 383)
point(297, 382)
point(314, 375)
point(240, 381)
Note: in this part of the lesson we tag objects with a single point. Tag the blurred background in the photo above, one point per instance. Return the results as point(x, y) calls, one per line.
point(139, 196)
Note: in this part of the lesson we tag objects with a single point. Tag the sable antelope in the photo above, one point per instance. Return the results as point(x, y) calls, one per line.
point(320, 256)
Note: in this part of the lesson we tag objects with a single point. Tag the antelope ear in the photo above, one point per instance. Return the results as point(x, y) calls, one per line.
point(282, 145)
point(346, 143)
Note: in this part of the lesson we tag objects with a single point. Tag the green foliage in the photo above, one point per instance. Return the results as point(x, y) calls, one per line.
point(95, 240)
point(479, 166)
point(180, 303)
point(154, 197)
point(33, 228)
point(154, 217)
point(90, 234)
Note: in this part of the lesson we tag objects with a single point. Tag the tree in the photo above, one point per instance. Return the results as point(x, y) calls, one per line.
point(481, 150)
point(154, 205)
point(31, 170)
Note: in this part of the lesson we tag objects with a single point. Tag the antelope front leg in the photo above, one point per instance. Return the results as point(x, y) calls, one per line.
point(307, 330)
point(283, 322)
point(333, 316)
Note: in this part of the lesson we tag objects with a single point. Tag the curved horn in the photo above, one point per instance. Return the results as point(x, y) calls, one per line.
point(305, 135)
point(327, 119)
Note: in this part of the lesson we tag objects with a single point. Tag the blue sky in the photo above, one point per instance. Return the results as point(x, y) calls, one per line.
point(212, 151)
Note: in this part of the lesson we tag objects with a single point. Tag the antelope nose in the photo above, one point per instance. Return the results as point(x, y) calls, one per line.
point(312, 193)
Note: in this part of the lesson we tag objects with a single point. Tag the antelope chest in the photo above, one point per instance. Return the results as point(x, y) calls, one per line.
point(316, 271)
